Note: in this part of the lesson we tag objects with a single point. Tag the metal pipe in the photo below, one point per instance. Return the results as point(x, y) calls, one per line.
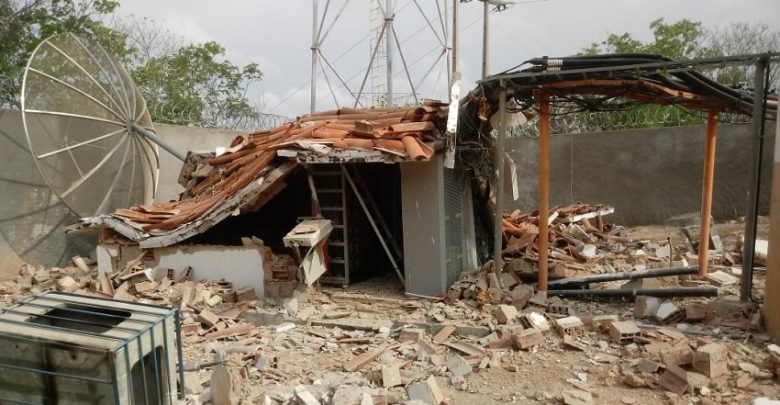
point(751, 216)
point(706, 197)
point(565, 283)
point(389, 50)
point(485, 37)
point(154, 138)
point(314, 47)
point(651, 292)
point(544, 185)
point(499, 208)
point(772, 289)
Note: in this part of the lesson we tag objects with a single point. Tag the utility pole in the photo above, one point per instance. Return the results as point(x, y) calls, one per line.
point(455, 51)
point(314, 49)
point(485, 37)
point(389, 49)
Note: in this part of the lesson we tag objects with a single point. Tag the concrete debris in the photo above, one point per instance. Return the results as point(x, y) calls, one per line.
point(344, 347)
point(721, 279)
point(710, 360)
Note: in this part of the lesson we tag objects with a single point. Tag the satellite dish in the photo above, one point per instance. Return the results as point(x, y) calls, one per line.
point(88, 127)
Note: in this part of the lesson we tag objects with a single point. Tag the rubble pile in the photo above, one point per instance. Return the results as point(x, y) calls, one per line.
point(489, 338)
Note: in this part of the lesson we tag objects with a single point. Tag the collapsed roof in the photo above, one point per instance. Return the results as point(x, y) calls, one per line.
point(253, 168)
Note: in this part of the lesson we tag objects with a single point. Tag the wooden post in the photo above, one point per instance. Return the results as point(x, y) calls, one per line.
point(498, 237)
point(544, 185)
point(706, 196)
point(772, 286)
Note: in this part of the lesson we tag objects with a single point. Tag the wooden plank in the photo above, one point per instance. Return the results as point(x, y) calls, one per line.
point(363, 358)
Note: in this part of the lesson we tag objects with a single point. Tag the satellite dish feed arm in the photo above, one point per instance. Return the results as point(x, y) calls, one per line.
point(154, 138)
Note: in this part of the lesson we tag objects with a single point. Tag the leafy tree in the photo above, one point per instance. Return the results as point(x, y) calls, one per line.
point(25, 23)
point(679, 40)
point(197, 83)
point(182, 83)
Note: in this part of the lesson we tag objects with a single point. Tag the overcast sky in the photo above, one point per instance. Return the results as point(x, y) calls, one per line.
point(277, 35)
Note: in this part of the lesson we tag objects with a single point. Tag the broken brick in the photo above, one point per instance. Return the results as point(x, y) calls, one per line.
point(527, 338)
point(411, 335)
point(505, 314)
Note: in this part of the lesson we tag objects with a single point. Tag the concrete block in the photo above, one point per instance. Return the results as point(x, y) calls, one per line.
point(677, 355)
point(669, 313)
point(411, 335)
point(391, 376)
point(527, 338)
point(521, 294)
point(304, 397)
point(505, 314)
point(602, 322)
point(645, 306)
point(571, 325)
point(534, 320)
point(458, 366)
point(675, 380)
point(710, 360)
point(721, 279)
point(696, 312)
point(623, 332)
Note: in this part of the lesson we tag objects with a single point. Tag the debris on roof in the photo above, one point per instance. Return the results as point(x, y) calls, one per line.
point(249, 173)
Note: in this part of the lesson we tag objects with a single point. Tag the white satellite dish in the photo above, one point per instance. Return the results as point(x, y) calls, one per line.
point(88, 127)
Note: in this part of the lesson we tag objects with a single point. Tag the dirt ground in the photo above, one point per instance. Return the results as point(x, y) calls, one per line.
point(327, 327)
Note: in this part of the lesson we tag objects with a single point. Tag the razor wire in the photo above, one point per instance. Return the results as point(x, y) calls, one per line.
point(565, 119)
point(197, 115)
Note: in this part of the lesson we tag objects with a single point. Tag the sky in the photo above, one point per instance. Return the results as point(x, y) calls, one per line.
point(277, 35)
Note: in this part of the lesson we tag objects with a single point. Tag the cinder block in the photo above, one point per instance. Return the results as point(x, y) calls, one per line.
point(623, 332)
point(527, 338)
point(710, 360)
point(534, 320)
point(668, 313)
point(571, 325)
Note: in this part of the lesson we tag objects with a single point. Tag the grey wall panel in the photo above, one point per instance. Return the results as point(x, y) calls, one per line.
point(648, 175)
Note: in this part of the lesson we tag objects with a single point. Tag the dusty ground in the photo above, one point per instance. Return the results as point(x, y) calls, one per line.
point(334, 325)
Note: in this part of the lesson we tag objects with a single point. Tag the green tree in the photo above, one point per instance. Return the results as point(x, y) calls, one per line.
point(25, 23)
point(198, 84)
point(679, 40)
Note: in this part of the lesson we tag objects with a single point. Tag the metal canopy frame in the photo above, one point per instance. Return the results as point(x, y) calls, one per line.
point(547, 84)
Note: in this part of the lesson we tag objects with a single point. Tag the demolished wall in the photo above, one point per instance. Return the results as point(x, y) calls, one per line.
point(32, 218)
point(648, 175)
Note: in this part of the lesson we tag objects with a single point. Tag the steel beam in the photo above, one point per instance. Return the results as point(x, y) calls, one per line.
point(754, 185)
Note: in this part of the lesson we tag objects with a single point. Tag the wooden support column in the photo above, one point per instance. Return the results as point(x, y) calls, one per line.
point(706, 195)
point(544, 185)
point(772, 286)
point(498, 237)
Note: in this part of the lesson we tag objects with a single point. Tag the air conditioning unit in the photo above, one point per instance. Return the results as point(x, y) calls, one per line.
point(64, 348)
